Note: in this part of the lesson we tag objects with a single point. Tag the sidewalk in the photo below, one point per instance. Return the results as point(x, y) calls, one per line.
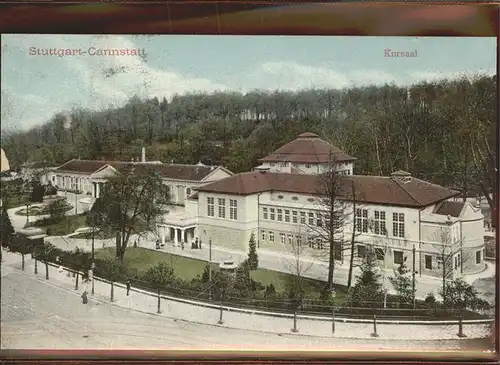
point(139, 301)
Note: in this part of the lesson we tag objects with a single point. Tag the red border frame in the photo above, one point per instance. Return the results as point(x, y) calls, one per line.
point(252, 18)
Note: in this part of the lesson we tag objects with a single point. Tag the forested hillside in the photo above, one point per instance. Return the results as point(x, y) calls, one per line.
point(443, 132)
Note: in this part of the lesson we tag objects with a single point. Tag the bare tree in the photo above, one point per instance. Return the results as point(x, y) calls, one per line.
point(327, 226)
point(450, 256)
point(298, 267)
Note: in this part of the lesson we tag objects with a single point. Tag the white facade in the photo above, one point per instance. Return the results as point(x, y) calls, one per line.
point(345, 168)
point(276, 218)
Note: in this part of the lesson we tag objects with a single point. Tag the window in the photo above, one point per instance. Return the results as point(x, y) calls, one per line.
point(287, 216)
point(361, 251)
point(478, 257)
point(294, 216)
point(456, 262)
point(379, 222)
point(233, 209)
point(290, 239)
point(428, 262)
point(280, 215)
point(167, 193)
point(398, 225)
point(282, 164)
point(264, 213)
point(271, 236)
point(319, 220)
point(308, 166)
point(188, 191)
point(398, 257)
point(295, 198)
point(273, 217)
point(439, 262)
point(282, 238)
point(311, 219)
point(361, 220)
point(222, 208)
point(302, 217)
point(380, 253)
point(263, 235)
point(280, 196)
point(210, 207)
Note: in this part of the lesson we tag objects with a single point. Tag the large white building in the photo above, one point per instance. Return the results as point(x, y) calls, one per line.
point(281, 203)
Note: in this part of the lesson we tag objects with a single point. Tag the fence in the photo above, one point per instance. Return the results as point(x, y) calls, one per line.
point(161, 302)
point(205, 293)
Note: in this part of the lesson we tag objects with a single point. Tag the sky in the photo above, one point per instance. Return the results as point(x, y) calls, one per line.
point(35, 86)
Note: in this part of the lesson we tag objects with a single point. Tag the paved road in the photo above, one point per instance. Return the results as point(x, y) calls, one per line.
point(38, 315)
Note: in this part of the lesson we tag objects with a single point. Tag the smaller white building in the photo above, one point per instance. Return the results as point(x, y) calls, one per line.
point(307, 154)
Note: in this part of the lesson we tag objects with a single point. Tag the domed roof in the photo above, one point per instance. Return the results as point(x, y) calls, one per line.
point(308, 135)
point(4, 163)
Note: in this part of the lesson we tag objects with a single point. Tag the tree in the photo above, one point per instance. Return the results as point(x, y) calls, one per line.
point(461, 295)
point(253, 260)
point(356, 231)
point(37, 192)
point(451, 257)
point(131, 202)
point(403, 283)
point(22, 245)
point(6, 229)
point(298, 267)
point(56, 209)
point(160, 275)
point(331, 216)
point(368, 287)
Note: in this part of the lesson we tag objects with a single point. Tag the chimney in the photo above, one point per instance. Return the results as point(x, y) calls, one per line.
point(143, 155)
point(402, 176)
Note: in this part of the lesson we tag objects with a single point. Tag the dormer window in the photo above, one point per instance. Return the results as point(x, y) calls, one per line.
point(295, 198)
point(310, 200)
point(280, 196)
point(308, 166)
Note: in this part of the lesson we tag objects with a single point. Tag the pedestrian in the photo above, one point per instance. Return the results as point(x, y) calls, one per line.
point(84, 297)
point(135, 244)
point(128, 286)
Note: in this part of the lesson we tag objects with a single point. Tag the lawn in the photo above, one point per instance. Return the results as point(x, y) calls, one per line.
point(188, 268)
point(32, 211)
point(141, 259)
point(11, 200)
point(97, 235)
point(64, 226)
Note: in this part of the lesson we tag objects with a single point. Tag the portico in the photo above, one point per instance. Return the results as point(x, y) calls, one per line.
point(175, 234)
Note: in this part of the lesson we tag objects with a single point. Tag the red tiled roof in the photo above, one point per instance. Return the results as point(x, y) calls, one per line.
point(170, 171)
point(308, 148)
point(450, 208)
point(176, 171)
point(85, 166)
point(369, 189)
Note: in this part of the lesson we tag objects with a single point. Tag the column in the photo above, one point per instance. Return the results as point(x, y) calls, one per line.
point(163, 235)
point(183, 235)
point(176, 237)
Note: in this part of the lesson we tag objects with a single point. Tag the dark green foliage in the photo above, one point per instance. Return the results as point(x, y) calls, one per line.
point(368, 287)
point(402, 282)
point(253, 260)
point(130, 204)
point(57, 209)
point(37, 192)
point(50, 190)
point(6, 229)
point(461, 295)
point(160, 275)
point(205, 276)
